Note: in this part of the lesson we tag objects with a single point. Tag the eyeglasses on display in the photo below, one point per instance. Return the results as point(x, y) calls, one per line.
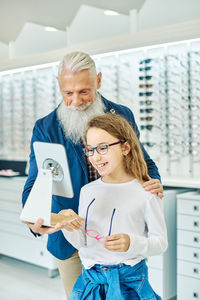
point(145, 61)
point(147, 102)
point(145, 69)
point(148, 118)
point(147, 110)
point(149, 144)
point(147, 77)
point(147, 85)
point(141, 94)
point(148, 127)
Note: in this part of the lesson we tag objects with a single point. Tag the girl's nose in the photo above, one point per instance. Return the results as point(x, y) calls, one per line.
point(96, 156)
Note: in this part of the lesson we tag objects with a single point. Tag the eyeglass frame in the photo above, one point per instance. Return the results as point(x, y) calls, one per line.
point(145, 61)
point(96, 148)
point(98, 237)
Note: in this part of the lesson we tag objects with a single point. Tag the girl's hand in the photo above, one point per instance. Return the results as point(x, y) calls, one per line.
point(117, 242)
point(74, 222)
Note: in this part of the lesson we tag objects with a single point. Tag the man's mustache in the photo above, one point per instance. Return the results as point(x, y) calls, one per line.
point(80, 107)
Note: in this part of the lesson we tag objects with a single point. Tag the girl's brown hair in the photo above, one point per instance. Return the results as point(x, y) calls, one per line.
point(119, 127)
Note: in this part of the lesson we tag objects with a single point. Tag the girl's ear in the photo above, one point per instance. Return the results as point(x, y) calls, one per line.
point(126, 148)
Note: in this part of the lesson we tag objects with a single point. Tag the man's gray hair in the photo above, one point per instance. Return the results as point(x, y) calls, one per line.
point(76, 62)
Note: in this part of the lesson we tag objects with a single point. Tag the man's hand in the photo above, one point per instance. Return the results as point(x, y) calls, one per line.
point(40, 229)
point(154, 186)
point(74, 223)
point(117, 242)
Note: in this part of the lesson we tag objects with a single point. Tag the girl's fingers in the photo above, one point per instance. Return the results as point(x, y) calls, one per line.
point(113, 237)
point(75, 224)
point(115, 248)
point(110, 244)
point(68, 228)
point(117, 242)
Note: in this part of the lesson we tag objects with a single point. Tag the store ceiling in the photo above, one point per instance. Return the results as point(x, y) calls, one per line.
point(56, 13)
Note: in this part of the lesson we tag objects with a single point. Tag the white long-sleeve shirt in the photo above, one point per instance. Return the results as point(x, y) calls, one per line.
point(138, 213)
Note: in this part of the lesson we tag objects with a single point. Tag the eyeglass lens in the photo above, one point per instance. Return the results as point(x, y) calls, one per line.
point(101, 149)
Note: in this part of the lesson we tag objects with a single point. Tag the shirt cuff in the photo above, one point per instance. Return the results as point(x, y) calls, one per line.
point(138, 245)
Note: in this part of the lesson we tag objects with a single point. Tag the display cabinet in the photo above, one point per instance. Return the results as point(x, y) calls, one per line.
point(188, 246)
point(162, 268)
point(16, 239)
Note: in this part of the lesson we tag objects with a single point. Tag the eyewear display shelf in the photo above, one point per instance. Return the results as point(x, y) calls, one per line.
point(16, 239)
point(162, 268)
point(188, 246)
point(160, 84)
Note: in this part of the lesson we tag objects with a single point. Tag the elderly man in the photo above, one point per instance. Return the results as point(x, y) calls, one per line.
point(78, 82)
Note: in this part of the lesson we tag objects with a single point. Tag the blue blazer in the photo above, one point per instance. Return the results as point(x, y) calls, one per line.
point(48, 129)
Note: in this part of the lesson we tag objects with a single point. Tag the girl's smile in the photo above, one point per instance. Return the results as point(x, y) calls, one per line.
point(109, 164)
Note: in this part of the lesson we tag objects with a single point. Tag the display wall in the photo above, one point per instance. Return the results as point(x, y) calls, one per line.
point(24, 97)
point(160, 85)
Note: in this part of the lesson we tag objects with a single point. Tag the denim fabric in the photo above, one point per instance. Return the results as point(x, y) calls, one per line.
point(119, 282)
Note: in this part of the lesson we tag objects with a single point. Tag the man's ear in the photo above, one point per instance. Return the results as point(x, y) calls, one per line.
point(126, 148)
point(99, 76)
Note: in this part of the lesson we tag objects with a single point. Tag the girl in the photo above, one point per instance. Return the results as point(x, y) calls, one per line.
point(123, 223)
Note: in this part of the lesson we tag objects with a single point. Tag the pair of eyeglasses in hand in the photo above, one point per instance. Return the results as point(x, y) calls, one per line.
point(93, 233)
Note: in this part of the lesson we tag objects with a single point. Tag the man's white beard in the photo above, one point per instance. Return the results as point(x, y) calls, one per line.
point(74, 119)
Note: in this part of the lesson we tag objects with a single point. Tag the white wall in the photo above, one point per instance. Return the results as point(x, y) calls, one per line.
point(158, 13)
point(3, 51)
point(35, 39)
point(92, 24)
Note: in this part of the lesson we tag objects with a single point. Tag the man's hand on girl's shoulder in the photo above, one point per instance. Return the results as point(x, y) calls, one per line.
point(154, 186)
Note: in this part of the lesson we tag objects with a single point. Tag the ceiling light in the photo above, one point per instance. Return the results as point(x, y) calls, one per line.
point(48, 28)
point(110, 13)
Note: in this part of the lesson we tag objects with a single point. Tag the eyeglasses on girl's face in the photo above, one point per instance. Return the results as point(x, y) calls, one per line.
point(101, 149)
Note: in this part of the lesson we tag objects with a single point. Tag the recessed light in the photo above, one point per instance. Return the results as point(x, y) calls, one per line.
point(110, 13)
point(48, 28)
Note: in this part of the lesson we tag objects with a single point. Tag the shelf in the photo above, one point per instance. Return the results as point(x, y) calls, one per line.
point(181, 182)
